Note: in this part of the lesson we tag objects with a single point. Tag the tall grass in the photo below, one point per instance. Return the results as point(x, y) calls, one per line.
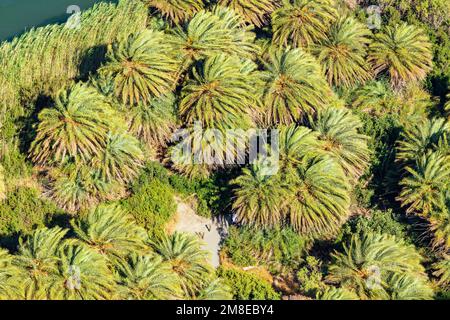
point(43, 60)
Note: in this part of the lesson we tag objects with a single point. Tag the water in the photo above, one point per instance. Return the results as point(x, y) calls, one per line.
point(17, 16)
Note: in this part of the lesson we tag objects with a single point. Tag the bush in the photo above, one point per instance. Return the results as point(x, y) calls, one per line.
point(383, 222)
point(275, 248)
point(247, 286)
point(21, 213)
point(310, 277)
point(152, 205)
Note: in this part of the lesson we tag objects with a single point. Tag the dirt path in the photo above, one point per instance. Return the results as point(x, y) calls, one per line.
point(209, 230)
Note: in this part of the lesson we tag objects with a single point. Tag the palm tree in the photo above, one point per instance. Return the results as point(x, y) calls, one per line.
point(81, 274)
point(111, 232)
point(442, 268)
point(9, 276)
point(260, 197)
point(220, 31)
point(177, 11)
point(342, 53)
point(404, 52)
point(296, 143)
point(333, 293)
point(377, 266)
point(147, 277)
point(189, 262)
point(423, 187)
point(422, 138)
point(215, 289)
point(121, 159)
point(77, 187)
point(320, 199)
point(142, 67)
point(409, 287)
point(301, 23)
point(153, 123)
point(339, 136)
point(439, 225)
point(374, 97)
point(200, 152)
point(38, 261)
point(76, 127)
point(2, 184)
point(253, 11)
point(294, 86)
point(220, 93)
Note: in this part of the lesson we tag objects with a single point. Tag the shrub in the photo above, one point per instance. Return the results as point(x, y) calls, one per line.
point(247, 286)
point(275, 248)
point(22, 212)
point(152, 205)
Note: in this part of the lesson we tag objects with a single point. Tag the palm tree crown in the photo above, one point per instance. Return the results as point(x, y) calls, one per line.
point(301, 23)
point(404, 52)
point(342, 53)
point(142, 67)
point(294, 86)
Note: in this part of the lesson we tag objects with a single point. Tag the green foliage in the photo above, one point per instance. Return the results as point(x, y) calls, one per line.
point(177, 11)
point(246, 286)
point(342, 53)
point(425, 184)
point(294, 86)
point(253, 11)
point(187, 260)
point(310, 277)
point(339, 136)
point(22, 212)
point(152, 205)
point(220, 93)
point(147, 278)
point(404, 52)
point(109, 231)
point(278, 249)
point(142, 67)
point(76, 127)
point(210, 33)
point(377, 266)
point(301, 22)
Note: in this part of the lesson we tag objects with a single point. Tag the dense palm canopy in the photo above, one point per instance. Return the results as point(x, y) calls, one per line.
point(78, 187)
point(339, 136)
point(342, 53)
point(211, 33)
point(81, 274)
point(260, 197)
point(376, 266)
point(75, 128)
point(147, 277)
point(9, 276)
point(253, 11)
point(121, 158)
point(294, 86)
point(295, 121)
point(186, 259)
point(142, 67)
point(425, 183)
point(153, 123)
point(220, 93)
point(177, 11)
point(110, 231)
point(302, 23)
point(421, 138)
point(404, 52)
point(320, 200)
